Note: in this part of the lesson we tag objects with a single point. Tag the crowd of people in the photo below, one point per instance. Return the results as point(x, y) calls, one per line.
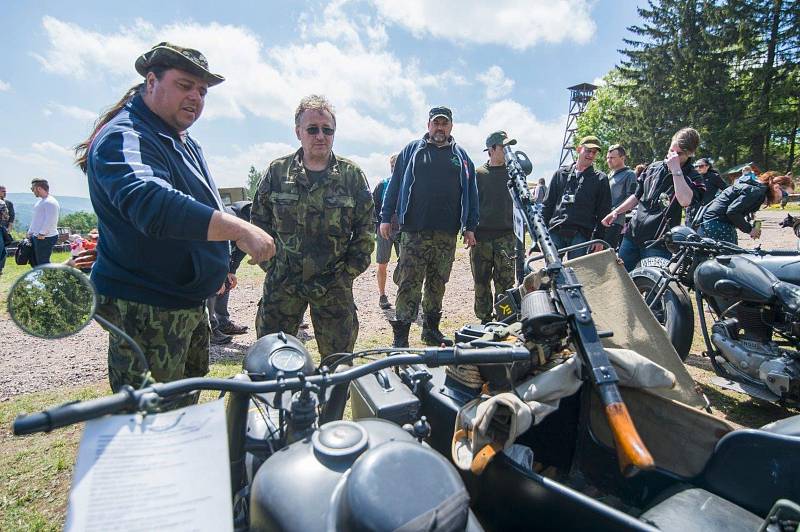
point(169, 249)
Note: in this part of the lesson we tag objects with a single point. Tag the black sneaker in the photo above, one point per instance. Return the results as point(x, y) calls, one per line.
point(383, 302)
point(218, 338)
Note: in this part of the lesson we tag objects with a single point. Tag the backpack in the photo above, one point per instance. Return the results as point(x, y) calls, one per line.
point(24, 252)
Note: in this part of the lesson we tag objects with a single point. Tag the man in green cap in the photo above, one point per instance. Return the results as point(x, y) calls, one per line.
point(165, 234)
point(319, 208)
point(434, 194)
point(492, 257)
point(577, 200)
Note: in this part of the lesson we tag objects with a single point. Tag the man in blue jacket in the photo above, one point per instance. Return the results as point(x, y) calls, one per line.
point(434, 193)
point(164, 233)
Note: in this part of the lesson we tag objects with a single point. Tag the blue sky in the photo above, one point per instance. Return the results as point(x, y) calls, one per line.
point(382, 63)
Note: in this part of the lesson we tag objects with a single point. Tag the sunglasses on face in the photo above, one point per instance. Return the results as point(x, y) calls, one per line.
point(314, 130)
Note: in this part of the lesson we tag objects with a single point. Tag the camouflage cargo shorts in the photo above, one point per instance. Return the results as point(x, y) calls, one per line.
point(175, 342)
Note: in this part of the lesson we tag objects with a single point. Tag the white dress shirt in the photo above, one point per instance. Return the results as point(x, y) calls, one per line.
point(45, 217)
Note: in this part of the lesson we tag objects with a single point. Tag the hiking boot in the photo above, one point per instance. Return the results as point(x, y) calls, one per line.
point(383, 302)
point(431, 334)
point(400, 331)
point(219, 338)
point(232, 328)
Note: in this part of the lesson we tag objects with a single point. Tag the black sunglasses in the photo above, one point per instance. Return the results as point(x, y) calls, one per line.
point(314, 130)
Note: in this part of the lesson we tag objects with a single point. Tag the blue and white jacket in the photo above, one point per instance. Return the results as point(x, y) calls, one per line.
point(397, 196)
point(154, 197)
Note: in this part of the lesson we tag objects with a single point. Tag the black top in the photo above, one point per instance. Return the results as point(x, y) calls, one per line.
point(494, 202)
point(11, 215)
point(657, 203)
point(315, 176)
point(714, 184)
point(735, 204)
point(591, 203)
point(435, 202)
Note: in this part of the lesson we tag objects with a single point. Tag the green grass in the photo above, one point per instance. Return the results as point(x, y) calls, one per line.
point(12, 271)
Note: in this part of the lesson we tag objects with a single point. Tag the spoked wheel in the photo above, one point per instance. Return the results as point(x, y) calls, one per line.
point(673, 311)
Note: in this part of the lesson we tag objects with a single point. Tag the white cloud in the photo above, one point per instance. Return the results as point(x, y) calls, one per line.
point(4, 86)
point(231, 170)
point(71, 111)
point(497, 84)
point(45, 159)
point(519, 24)
point(265, 82)
point(75, 51)
point(374, 165)
point(540, 140)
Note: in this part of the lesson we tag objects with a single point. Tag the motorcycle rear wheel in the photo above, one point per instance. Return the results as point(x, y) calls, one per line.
point(674, 312)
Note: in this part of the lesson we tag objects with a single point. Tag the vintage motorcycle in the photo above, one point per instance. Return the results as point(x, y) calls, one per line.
point(288, 471)
point(705, 474)
point(752, 297)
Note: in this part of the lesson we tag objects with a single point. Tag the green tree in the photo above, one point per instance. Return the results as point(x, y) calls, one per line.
point(52, 302)
point(79, 222)
point(253, 179)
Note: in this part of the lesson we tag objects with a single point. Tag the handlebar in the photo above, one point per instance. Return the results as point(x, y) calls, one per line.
point(129, 399)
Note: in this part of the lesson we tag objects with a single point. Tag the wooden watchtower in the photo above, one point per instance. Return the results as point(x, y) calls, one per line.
point(579, 96)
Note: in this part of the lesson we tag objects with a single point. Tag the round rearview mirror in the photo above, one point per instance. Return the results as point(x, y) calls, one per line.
point(52, 301)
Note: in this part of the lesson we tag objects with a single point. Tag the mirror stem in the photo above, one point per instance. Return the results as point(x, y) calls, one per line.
point(136, 349)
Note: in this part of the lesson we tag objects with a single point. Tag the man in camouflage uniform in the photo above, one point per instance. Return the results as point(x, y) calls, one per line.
point(319, 209)
point(433, 191)
point(492, 257)
point(164, 246)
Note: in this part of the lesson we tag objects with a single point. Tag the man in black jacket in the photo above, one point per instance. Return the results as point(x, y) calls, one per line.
point(577, 200)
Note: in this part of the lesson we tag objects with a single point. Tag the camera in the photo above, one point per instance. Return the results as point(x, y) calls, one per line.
point(568, 199)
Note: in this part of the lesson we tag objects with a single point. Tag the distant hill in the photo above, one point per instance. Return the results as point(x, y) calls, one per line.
point(23, 206)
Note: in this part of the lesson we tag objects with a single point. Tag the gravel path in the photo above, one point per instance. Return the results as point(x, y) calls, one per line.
point(36, 365)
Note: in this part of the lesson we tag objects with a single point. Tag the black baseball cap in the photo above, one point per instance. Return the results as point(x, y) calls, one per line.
point(440, 111)
point(499, 137)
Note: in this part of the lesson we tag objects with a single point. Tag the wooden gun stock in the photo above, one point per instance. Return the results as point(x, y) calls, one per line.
point(631, 450)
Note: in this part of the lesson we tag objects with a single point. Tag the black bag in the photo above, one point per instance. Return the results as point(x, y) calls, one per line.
point(7, 238)
point(24, 253)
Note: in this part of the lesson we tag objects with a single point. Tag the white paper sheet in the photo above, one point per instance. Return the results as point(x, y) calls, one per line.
point(166, 472)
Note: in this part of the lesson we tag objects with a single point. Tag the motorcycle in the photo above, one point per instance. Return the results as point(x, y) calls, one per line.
point(570, 474)
point(752, 296)
point(288, 471)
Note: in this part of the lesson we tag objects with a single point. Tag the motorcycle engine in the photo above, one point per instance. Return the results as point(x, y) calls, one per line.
point(762, 360)
point(782, 376)
point(745, 353)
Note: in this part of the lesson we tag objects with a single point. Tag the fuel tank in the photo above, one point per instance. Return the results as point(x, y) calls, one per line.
point(366, 475)
point(736, 277)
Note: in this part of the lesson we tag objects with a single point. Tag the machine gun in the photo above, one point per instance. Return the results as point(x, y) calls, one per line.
point(565, 311)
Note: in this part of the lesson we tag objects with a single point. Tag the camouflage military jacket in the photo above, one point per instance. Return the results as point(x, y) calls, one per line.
point(321, 229)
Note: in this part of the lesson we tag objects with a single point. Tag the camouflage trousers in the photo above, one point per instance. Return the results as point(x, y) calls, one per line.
point(492, 260)
point(175, 342)
point(425, 257)
point(333, 313)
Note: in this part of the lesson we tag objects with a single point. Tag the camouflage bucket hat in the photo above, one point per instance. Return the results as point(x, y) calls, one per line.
point(499, 137)
point(171, 55)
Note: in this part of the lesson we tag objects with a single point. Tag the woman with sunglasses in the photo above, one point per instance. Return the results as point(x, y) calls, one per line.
point(735, 206)
point(714, 184)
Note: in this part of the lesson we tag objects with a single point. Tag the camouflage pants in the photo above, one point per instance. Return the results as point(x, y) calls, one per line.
point(492, 260)
point(425, 256)
point(175, 342)
point(333, 314)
